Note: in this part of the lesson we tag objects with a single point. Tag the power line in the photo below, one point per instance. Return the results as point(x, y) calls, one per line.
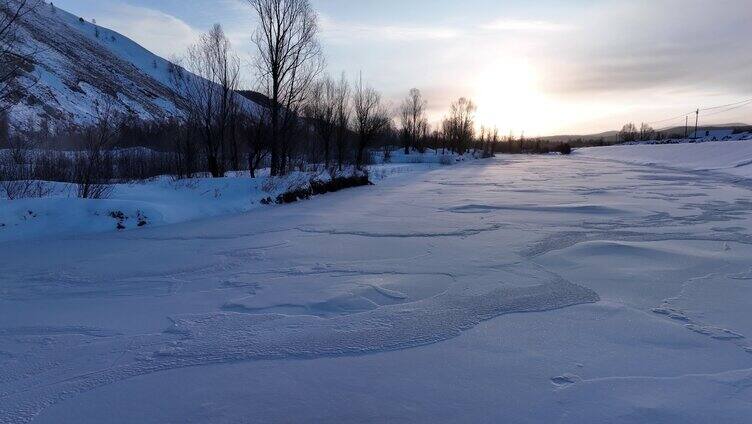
point(738, 106)
point(726, 108)
point(722, 106)
point(670, 119)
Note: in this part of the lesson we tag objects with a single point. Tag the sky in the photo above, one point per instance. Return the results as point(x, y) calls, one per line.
point(540, 67)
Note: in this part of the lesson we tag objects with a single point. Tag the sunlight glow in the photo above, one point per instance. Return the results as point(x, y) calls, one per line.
point(507, 95)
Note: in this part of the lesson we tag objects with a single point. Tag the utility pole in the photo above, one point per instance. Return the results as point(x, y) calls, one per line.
point(686, 127)
point(697, 120)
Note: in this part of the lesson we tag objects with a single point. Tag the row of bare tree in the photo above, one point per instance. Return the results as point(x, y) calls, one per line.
point(303, 115)
point(630, 132)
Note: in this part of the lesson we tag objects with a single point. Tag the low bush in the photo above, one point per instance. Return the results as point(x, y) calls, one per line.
point(318, 187)
point(564, 149)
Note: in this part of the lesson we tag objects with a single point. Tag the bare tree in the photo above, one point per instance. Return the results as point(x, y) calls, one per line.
point(199, 95)
point(185, 124)
point(93, 168)
point(646, 132)
point(342, 116)
point(489, 147)
point(412, 113)
point(628, 132)
point(288, 61)
point(226, 73)
point(255, 128)
point(459, 127)
point(210, 95)
point(13, 60)
point(4, 129)
point(321, 111)
point(184, 147)
point(17, 178)
point(18, 173)
point(371, 118)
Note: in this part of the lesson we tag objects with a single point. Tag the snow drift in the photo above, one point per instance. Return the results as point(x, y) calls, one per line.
point(725, 157)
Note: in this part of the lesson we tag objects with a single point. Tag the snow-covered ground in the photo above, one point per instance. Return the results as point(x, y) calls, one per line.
point(164, 200)
point(517, 289)
point(726, 157)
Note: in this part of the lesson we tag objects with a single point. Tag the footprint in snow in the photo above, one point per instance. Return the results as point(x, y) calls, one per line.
point(565, 380)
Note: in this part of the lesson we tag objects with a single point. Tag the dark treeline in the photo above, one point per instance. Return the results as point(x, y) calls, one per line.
point(535, 146)
point(630, 133)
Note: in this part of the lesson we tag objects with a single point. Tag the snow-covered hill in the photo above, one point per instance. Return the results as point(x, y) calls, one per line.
point(79, 65)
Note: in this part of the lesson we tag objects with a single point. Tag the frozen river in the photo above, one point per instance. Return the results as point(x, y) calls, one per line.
point(518, 289)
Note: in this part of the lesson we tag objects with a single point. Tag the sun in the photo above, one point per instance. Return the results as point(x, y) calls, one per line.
point(508, 97)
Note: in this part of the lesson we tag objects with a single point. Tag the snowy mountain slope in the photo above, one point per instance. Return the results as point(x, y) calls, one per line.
point(80, 65)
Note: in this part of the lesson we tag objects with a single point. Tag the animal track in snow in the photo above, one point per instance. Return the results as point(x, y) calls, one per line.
point(670, 310)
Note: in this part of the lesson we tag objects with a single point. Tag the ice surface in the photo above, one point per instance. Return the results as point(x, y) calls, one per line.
point(569, 290)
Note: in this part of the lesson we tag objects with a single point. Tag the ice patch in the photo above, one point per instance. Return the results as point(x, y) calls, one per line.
point(416, 234)
point(576, 209)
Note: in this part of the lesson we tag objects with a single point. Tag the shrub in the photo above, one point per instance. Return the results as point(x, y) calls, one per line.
point(92, 172)
point(317, 187)
point(446, 160)
point(17, 172)
point(564, 149)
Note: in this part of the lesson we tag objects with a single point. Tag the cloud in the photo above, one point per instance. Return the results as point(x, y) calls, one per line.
point(640, 46)
point(503, 25)
point(161, 33)
point(349, 32)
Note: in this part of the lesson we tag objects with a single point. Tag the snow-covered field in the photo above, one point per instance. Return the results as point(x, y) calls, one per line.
point(518, 289)
point(726, 157)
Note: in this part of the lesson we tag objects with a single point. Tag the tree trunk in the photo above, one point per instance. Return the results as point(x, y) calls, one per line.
point(214, 166)
point(251, 165)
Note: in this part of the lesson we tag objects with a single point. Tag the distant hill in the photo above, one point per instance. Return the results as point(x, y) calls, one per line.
point(599, 136)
